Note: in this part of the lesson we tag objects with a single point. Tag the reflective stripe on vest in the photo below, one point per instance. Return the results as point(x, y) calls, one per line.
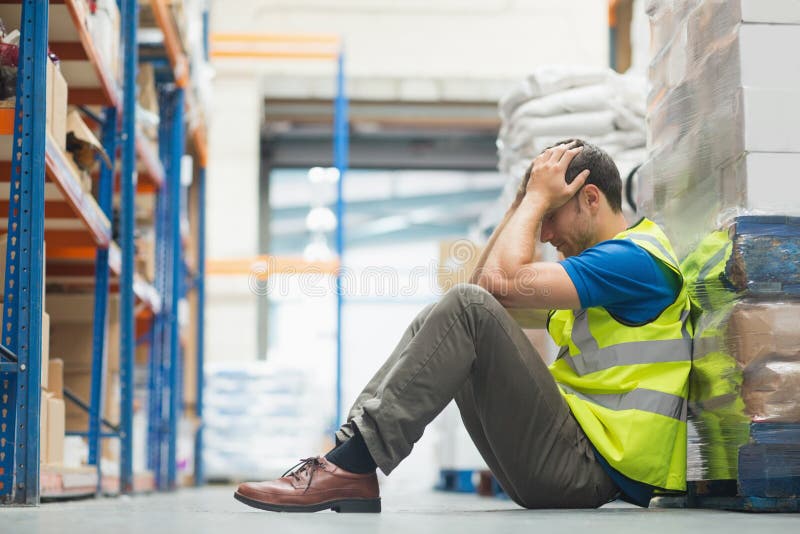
point(645, 400)
point(653, 241)
point(592, 358)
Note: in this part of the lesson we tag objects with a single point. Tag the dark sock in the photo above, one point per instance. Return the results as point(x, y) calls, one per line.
point(353, 455)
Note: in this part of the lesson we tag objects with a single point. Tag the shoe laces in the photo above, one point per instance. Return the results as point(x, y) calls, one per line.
point(310, 465)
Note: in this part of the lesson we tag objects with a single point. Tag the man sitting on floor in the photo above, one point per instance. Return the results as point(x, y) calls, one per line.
point(609, 415)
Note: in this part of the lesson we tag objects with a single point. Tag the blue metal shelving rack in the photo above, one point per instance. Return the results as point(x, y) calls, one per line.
point(20, 373)
point(165, 352)
point(20, 350)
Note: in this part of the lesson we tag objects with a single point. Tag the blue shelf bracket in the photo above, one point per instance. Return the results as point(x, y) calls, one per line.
point(22, 310)
point(100, 323)
point(130, 50)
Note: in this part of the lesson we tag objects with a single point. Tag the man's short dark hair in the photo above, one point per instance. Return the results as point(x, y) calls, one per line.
point(603, 171)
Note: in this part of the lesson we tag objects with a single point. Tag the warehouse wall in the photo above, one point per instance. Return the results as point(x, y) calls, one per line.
point(446, 50)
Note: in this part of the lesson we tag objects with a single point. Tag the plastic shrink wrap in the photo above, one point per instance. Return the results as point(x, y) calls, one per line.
point(723, 153)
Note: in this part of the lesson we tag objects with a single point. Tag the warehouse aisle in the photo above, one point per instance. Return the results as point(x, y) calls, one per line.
point(213, 510)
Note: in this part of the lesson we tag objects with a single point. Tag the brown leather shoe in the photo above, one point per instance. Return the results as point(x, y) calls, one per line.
point(314, 484)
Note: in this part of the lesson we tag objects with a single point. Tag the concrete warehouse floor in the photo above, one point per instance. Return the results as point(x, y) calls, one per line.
point(213, 510)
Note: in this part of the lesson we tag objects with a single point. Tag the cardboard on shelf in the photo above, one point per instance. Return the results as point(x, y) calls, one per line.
point(57, 99)
point(55, 430)
point(80, 384)
point(71, 330)
point(43, 427)
point(45, 350)
point(56, 378)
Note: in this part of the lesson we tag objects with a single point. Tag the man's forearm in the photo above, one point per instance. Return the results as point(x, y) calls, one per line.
point(516, 245)
point(488, 249)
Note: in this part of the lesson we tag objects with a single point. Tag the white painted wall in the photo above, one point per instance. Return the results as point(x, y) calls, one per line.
point(419, 49)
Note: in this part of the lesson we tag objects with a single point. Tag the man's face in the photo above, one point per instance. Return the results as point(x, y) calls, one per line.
point(569, 228)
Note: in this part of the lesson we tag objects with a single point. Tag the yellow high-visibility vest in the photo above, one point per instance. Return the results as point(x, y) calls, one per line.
point(627, 384)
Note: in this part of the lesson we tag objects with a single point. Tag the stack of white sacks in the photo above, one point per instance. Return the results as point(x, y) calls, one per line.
point(261, 417)
point(559, 101)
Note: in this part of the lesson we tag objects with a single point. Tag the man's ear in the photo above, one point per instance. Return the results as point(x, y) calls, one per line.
point(591, 195)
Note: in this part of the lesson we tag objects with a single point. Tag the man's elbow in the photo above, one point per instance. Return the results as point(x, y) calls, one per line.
point(498, 285)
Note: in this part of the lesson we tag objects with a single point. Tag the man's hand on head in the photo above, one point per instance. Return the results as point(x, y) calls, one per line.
point(547, 178)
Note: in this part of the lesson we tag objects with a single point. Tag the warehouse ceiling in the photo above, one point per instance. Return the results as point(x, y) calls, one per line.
point(418, 170)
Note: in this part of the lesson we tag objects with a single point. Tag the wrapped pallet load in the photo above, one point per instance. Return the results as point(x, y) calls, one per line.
point(723, 150)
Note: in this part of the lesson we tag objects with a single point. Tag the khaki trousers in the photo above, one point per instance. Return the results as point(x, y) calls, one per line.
point(468, 348)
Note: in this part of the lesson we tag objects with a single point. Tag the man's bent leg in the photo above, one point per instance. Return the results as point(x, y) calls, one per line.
point(378, 380)
point(522, 426)
point(432, 368)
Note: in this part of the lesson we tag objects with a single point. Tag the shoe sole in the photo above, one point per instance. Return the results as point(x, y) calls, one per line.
point(343, 506)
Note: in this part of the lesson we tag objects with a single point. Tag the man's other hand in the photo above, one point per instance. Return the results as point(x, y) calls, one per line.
point(547, 178)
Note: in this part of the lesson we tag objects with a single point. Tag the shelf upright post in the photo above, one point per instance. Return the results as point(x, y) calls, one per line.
point(340, 161)
point(100, 323)
point(130, 18)
point(20, 382)
point(155, 439)
point(177, 145)
point(200, 284)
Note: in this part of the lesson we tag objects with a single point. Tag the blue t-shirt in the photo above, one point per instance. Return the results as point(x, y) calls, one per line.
point(634, 288)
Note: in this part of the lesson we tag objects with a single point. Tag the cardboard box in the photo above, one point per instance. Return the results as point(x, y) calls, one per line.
point(761, 330)
point(759, 44)
point(104, 26)
point(57, 98)
point(770, 389)
point(758, 182)
point(43, 427)
point(457, 260)
point(55, 430)
point(80, 384)
point(45, 350)
point(71, 331)
point(49, 75)
point(56, 378)
point(72, 342)
point(190, 356)
point(772, 12)
point(770, 119)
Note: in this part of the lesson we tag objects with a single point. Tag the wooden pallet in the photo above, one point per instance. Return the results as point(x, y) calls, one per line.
point(724, 495)
point(59, 483)
point(736, 504)
point(144, 482)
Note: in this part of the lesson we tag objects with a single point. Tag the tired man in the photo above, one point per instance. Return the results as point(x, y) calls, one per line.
point(607, 418)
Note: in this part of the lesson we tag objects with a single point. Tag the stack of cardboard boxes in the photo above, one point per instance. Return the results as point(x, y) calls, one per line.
point(71, 338)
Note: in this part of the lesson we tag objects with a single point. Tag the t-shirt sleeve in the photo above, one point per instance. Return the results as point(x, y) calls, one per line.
point(624, 279)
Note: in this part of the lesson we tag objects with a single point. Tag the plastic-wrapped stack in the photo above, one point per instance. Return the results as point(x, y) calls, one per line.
point(723, 148)
point(561, 101)
point(260, 418)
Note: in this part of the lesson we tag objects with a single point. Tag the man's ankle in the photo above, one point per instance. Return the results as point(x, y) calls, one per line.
point(353, 455)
